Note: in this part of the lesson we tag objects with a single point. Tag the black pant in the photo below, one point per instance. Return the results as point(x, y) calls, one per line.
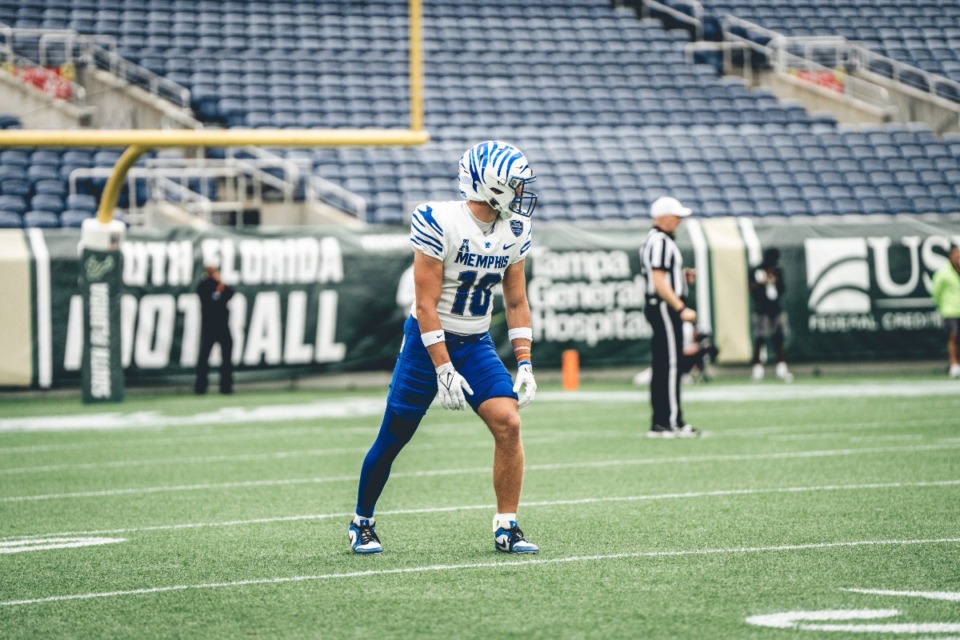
point(667, 350)
point(208, 338)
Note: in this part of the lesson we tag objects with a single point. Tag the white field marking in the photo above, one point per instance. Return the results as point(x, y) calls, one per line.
point(448, 429)
point(287, 455)
point(212, 436)
point(842, 435)
point(796, 620)
point(107, 493)
point(834, 427)
point(356, 407)
point(500, 564)
point(441, 430)
point(45, 544)
point(542, 503)
point(950, 596)
point(362, 407)
point(761, 393)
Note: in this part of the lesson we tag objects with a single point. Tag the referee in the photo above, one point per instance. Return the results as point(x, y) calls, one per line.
point(661, 265)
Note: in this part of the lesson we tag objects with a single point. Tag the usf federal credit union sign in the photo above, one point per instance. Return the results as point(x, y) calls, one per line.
point(872, 283)
point(861, 292)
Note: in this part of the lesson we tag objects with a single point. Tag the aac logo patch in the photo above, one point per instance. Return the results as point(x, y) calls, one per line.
point(517, 227)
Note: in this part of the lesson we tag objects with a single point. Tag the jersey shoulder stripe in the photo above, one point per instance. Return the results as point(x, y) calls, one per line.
point(426, 234)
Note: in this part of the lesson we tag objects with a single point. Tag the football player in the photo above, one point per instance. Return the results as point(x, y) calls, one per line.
point(462, 251)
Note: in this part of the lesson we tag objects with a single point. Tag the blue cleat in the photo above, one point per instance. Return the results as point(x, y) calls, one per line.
point(512, 541)
point(363, 536)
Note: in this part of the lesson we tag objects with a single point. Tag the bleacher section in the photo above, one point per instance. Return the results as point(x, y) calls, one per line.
point(922, 33)
point(605, 105)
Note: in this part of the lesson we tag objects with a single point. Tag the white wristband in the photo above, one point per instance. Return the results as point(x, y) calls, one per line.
point(521, 332)
point(433, 337)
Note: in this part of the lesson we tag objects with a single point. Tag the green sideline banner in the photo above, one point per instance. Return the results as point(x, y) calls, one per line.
point(329, 300)
point(861, 291)
point(100, 284)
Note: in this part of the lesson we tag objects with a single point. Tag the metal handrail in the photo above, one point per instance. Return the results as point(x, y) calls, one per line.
point(90, 50)
point(70, 38)
point(331, 192)
point(120, 66)
point(163, 185)
point(781, 59)
point(849, 55)
point(696, 20)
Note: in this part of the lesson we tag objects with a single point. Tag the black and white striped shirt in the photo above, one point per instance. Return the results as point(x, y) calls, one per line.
point(660, 251)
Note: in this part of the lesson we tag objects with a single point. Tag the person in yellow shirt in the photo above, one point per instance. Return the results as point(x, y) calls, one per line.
point(946, 294)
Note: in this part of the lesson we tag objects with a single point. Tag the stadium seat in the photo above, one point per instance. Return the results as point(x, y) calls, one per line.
point(73, 218)
point(10, 220)
point(13, 204)
point(81, 202)
point(44, 219)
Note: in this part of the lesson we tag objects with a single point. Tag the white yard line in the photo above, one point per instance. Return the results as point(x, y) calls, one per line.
point(366, 407)
point(484, 442)
point(49, 543)
point(108, 493)
point(532, 504)
point(506, 563)
point(533, 436)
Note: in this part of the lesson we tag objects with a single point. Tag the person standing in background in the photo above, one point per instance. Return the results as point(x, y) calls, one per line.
point(766, 290)
point(214, 329)
point(661, 266)
point(946, 294)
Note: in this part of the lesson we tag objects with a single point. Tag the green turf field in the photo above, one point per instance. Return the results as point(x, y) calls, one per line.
point(822, 509)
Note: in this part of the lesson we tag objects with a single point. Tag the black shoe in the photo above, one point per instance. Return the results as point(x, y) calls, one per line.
point(656, 431)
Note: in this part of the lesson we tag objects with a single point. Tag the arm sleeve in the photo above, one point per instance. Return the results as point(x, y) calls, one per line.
point(426, 234)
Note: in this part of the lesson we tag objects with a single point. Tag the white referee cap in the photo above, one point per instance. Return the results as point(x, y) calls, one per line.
point(667, 206)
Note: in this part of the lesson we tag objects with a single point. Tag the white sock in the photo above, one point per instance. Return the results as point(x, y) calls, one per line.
point(505, 520)
point(357, 518)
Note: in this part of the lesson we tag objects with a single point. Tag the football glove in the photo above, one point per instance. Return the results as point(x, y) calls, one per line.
point(451, 386)
point(526, 381)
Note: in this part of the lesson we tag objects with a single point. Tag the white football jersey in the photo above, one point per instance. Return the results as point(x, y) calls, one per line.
point(473, 264)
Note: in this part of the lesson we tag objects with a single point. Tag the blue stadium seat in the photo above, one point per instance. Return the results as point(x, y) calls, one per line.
point(51, 187)
point(13, 204)
point(45, 202)
point(44, 219)
point(81, 202)
point(73, 218)
point(10, 220)
point(14, 187)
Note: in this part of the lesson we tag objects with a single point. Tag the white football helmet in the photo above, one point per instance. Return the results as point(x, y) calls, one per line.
point(497, 173)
